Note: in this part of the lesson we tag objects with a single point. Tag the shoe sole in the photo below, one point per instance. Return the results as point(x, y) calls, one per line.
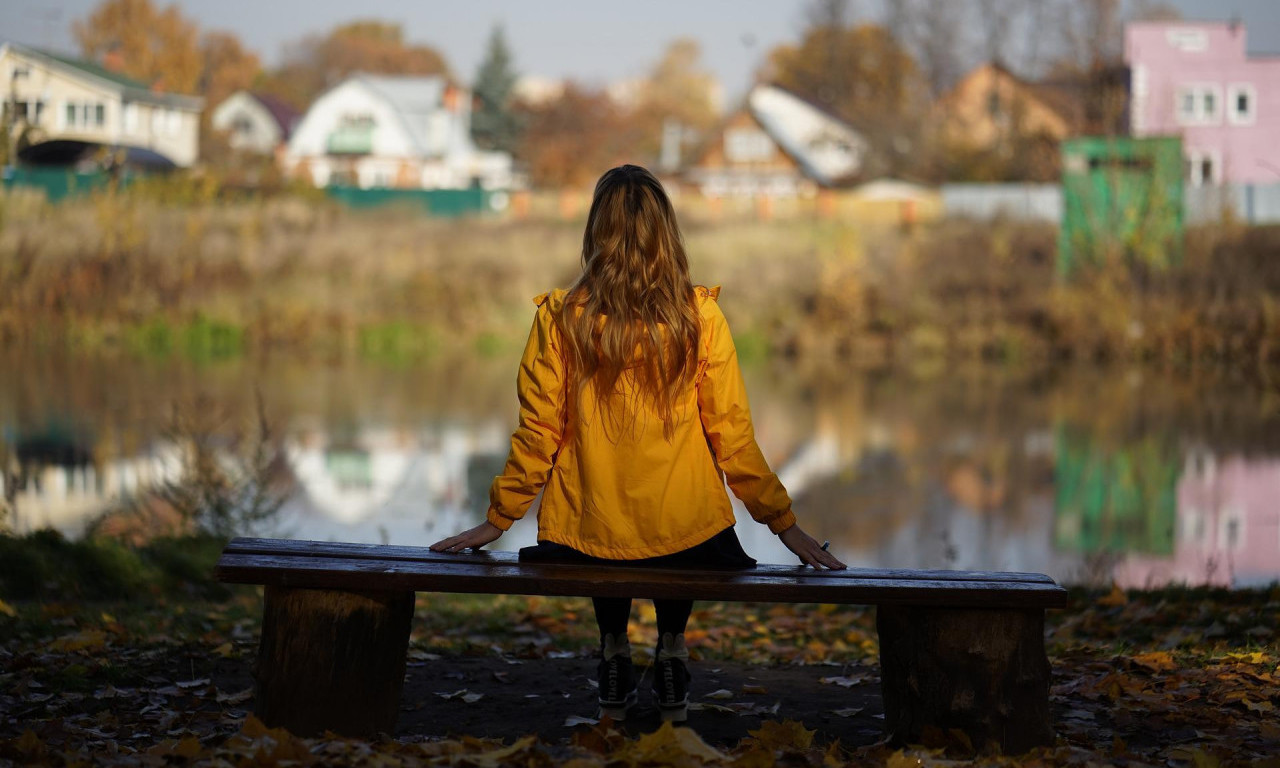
point(617, 711)
point(675, 714)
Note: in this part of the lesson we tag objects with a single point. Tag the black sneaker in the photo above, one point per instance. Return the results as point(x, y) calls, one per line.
point(671, 678)
point(616, 678)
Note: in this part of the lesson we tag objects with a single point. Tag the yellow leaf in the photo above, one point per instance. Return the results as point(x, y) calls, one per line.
point(901, 759)
point(1117, 597)
point(1258, 706)
point(787, 734)
point(668, 744)
point(8, 610)
point(226, 650)
point(89, 640)
point(758, 689)
point(1156, 661)
point(502, 756)
point(108, 618)
point(188, 747)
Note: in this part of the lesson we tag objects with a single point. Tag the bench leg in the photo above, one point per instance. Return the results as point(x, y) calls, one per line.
point(332, 660)
point(983, 671)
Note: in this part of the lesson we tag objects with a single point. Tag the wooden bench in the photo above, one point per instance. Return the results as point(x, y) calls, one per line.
point(958, 649)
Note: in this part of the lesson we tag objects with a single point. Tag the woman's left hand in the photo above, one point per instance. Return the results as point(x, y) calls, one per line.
point(473, 538)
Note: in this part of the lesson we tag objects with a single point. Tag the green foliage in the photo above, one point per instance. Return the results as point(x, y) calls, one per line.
point(494, 125)
point(46, 565)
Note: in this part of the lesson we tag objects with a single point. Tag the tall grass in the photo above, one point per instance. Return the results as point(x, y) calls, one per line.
point(211, 278)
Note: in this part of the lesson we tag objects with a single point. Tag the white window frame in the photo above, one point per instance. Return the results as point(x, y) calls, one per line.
point(1234, 91)
point(1196, 158)
point(1198, 92)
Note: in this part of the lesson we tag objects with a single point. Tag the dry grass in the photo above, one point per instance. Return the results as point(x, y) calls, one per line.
point(209, 277)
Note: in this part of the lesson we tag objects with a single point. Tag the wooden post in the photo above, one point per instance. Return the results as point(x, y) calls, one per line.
point(983, 671)
point(332, 660)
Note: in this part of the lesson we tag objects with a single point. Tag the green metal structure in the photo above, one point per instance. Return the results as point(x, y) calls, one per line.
point(1121, 203)
point(436, 202)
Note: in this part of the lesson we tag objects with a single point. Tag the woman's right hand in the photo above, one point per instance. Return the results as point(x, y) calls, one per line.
point(808, 549)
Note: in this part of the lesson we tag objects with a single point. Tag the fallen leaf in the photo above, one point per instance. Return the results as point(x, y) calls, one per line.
point(787, 734)
point(226, 650)
point(849, 712)
point(1115, 598)
point(843, 682)
point(185, 684)
point(723, 693)
point(757, 689)
point(8, 610)
point(573, 720)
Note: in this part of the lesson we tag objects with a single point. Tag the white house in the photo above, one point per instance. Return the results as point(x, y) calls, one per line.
point(777, 145)
point(84, 104)
point(391, 131)
point(254, 122)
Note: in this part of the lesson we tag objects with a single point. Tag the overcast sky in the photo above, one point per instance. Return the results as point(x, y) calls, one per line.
point(594, 41)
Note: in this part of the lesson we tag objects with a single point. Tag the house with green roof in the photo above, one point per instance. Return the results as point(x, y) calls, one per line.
point(68, 107)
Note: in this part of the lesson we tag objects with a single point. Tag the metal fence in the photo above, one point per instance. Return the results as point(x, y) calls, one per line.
point(1248, 203)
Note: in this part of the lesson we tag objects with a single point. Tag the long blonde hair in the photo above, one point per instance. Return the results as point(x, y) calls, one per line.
point(633, 306)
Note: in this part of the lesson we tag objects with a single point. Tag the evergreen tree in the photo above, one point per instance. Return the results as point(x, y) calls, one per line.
point(493, 124)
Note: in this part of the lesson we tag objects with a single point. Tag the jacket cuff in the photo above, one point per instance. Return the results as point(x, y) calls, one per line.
point(499, 521)
point(782, 522)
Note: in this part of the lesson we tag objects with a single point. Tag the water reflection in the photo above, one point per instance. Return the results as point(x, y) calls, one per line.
point(1085, 475)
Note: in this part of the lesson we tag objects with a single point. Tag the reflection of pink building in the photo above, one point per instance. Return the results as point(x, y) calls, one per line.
point(1195, 80)
point(1228, 528)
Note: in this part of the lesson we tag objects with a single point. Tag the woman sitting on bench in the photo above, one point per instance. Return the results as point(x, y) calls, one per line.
point(633, 413)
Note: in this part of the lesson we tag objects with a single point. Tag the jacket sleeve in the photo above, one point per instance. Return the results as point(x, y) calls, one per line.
point(536, 440)
point(726, 420)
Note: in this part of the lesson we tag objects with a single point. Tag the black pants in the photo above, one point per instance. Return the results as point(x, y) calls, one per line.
point(613, 613)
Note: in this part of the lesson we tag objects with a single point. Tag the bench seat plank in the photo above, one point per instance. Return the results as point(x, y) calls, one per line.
point(502, 573)
point(490, 557)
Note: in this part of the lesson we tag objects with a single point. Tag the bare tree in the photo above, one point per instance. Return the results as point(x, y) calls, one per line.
point(934, 33)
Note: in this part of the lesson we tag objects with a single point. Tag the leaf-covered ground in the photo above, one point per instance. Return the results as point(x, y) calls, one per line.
point(1171, 679)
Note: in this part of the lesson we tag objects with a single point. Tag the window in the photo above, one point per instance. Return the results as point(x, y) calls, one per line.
point(1242, 103)
point(1199, 104)
point(1203, 167)
point(747, 144)
point(84, 114)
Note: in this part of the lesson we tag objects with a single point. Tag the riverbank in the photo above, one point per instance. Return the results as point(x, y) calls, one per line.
point(1175, 677)
point(209, 280)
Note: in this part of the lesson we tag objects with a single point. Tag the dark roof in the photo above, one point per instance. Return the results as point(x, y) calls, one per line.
point(284, 115)
point(95, 69)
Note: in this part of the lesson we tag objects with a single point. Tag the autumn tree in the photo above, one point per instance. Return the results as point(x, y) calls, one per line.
point(228, 67)
point(572, 139)
point(158, 47)
point(316, 63)
point(494, 124)
point(679, 92)
point(860, 74)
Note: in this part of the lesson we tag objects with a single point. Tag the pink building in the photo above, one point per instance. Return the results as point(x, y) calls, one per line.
point(1195, 79)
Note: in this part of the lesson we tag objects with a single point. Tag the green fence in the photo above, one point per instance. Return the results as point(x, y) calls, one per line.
point(58, 183)
point(437, 202)
point(1122, 202)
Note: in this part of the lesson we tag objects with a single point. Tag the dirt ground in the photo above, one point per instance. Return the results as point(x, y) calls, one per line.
point(541, 696)
point(548, 697)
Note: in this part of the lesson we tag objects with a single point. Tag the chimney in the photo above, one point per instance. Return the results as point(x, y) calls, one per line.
point(113, 59)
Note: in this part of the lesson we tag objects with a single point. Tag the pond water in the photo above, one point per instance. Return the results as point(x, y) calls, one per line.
point(1145, 478)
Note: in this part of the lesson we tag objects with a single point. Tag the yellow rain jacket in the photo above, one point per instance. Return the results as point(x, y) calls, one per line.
point(613, 486)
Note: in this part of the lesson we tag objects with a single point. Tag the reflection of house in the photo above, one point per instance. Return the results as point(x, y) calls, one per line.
point(1228, 530)
point(777, 145)
point(385, 131)
point(254, 122)
point(1196, 80)
point(77, 106)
